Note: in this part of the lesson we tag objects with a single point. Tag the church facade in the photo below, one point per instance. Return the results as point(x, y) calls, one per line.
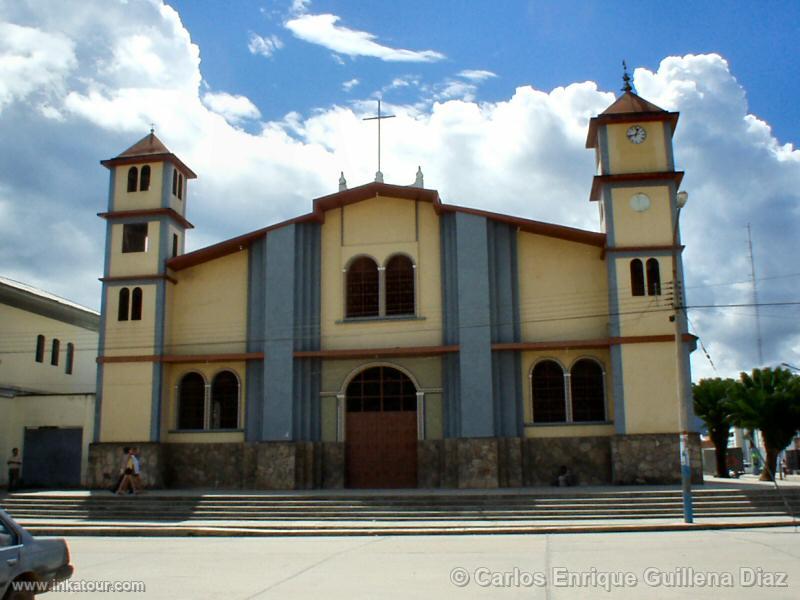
point(388, 339)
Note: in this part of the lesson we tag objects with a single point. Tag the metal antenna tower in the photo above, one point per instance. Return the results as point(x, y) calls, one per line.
point(759, 339)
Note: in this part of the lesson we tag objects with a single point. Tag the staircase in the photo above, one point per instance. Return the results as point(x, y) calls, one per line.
point(384, 512)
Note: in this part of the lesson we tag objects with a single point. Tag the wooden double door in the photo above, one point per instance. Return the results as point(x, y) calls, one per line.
point(381, 430)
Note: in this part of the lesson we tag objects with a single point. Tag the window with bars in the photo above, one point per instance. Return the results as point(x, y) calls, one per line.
point(547, 385)
point(363, 294)
point(191, 401)
point(588, 391)
point(399, 277)
point(378, 389)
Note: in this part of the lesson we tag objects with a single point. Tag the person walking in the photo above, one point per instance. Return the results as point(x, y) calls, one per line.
point(128, 471)
point(14, 469)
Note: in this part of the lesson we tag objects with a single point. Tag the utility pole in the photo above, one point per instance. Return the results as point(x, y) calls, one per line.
point(759, 340)
point(682, 379)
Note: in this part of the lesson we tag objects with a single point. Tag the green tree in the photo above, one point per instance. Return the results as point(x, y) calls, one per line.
point(713, 404)
point(769, 400)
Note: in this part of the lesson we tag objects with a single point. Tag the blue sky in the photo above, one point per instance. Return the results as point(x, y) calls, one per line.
point(545, 44)
point(265, 100)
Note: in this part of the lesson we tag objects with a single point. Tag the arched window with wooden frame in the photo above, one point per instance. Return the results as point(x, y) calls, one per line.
point(69, 360)
point(144, 179)
point(587, 387)
point(39, 348)
point(54, 352)
point(362, 288)
point(381, 389)
point(399, 281)
point(124, 304)
point(133, 178)
point(136, 304)
point(637, 277)
point(174, 182)
point(225, 401)
point(548, 391)
point(653, 277)
point(191, 401)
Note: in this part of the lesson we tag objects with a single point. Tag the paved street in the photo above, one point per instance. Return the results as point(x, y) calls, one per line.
point(656, 565)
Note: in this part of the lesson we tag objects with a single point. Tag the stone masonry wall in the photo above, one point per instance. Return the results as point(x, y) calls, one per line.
point(652, 458)
point(588, 460)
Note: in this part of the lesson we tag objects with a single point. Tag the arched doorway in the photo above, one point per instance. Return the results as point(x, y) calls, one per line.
point(381, 429)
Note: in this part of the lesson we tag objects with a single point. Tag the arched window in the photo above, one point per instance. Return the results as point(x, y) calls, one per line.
point(191, 402)
point(144, 181)
point(547, 384)
point(653, 277)
point(399, 286)
point(39, 348)
point(70, 359)
point(381, 389)
point(123, 307)
point(136, 304)
point(180, 186)
point(54, 351)
point(637, 277)
point(174, 182)
point(588, 391)
point(133, 175)
point(225, 401)
point(362, 288)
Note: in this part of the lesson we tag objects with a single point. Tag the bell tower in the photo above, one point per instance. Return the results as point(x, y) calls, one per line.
point(636, 188)
point(145, 226)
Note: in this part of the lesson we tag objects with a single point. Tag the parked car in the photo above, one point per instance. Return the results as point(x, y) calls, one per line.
point(24, 558)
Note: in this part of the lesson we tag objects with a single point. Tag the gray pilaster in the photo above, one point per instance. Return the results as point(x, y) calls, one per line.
point(451, 397)
point(474, 327)
point(279, 319)
point(505, 325)
point(256, 276)
point(618, 389)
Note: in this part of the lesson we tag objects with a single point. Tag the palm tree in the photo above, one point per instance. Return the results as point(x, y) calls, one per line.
point(713, 404)
point(769, 400)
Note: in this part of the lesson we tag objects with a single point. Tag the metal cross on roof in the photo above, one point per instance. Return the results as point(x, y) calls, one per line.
point(626, 79)
point(379, 118)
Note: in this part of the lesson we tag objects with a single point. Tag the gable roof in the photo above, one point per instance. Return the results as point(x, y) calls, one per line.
point(372, 190)
point(148, 148)
point(31, 299)
point(628, 108)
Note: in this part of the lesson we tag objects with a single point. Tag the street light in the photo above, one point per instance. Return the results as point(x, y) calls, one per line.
point(682, 378)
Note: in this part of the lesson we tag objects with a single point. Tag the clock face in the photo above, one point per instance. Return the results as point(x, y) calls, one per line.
point(636, 134)
point(640, 202)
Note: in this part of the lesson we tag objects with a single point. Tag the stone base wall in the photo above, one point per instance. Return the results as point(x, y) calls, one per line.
point(653, 458)
point(450, 463)
point(588, 460)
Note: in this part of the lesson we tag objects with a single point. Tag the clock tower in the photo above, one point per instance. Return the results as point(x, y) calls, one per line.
point(636, 188)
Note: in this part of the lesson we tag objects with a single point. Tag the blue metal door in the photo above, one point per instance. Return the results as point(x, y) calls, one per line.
point(51, 457)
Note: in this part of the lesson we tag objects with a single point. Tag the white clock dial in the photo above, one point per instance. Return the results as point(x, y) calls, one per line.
point(636, 134)
point(640, 202)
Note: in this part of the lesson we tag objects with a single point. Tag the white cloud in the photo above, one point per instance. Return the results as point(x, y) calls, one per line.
point(350, 84)
point(323, 30)
point(476, 74)
point(523, 155)
point(234, 108)
point(299, 7)
point(32, 61)
point(265, 46)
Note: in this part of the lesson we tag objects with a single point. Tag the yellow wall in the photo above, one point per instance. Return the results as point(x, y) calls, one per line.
point(126, 408)
point(130, 338)
point(172, 376)
point(18, 366)
point(425, 371)
point(650, 388)
point(380, 228)
point(651, 227)
point(644, 315)
point(566, 358)
point(627, 157)
point(124, 200)
point(207, 309)
point(44, 411)
point(558, 281)
point(134, 263)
